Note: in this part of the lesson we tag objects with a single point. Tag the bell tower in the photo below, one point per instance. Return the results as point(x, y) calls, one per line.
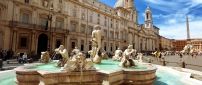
point(148, 18)
point(130, 4)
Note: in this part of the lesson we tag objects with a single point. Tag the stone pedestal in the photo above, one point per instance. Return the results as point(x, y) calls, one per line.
point(27, 77)
point(143, 77)
point(115, 78)
point(70, 78)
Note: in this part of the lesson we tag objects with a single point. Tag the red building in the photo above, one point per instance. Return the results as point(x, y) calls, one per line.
point(178, 45)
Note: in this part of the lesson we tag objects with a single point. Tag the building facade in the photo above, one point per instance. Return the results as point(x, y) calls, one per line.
point(178, 45)
point(166, 44)
point(39, 25)
point(197, 44)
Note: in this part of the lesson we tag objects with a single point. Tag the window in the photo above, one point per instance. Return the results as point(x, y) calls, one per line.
point(73, 45)
point(91, 18)
point(27, 1)
point(147, 15)
point(73, 27)
point(112, 34)
point(105, 33)
point(105, 46)
point(83, 28)
point(25, 18)
point(111, 23)
point(90, 46)
point(74, 11)
point(116, 35)
point(82, 45)
point(105, 23)
point(58, 43)
point(43, 21)
point(59, 23)
point(23, 42)
point(83, 16)
point(98, 21)
point(90, 30)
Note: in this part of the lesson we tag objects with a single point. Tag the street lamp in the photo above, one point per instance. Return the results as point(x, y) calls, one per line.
point(49, 26)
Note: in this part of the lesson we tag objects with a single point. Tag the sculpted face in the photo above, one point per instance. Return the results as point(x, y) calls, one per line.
point(130, 47)
point(61, 47)
point(97, 27)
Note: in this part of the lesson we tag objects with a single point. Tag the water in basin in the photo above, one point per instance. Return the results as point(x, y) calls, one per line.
point(111, 66)
point(52, 67)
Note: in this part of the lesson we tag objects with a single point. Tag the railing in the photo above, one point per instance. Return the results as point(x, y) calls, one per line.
point(18, 24)
point(182, 64)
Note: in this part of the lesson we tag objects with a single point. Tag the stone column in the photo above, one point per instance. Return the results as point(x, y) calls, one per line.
point(14, 39)
point(33, 41)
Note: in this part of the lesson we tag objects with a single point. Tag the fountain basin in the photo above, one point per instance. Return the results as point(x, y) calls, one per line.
point(134, 77)
point(108, 72)
point(26, 77)
point(69, 78)
point(142, 74)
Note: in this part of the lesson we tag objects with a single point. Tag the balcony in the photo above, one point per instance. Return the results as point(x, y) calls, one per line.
point(17, 24)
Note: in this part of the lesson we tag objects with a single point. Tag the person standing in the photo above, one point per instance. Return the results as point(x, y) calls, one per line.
point(24, 57)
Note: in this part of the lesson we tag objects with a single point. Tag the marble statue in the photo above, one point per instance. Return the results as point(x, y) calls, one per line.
point(74, 52)
point(96, 52)
point(45, 57)
point(127, 60)
point(80, 63)
point(104, 54)
point(139, 57)
point(97, 36)
point(64, 53)
point(118, 55)
point(188, 49)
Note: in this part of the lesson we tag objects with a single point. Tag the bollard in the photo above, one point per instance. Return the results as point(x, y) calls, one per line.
point(164, 63)
point(183, 64)
point(1, 63)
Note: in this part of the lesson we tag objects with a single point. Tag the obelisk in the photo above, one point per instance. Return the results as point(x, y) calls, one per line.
point(188, 31)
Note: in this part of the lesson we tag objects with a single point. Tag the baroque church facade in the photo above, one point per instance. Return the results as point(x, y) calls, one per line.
point(39, 25)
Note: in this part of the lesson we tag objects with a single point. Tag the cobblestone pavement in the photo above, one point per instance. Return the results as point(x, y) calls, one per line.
point(194, 63)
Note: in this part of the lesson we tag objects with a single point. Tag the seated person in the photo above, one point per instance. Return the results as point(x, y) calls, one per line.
point(24, 57)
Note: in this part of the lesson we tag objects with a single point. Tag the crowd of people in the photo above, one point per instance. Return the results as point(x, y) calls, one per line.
point(6, 54)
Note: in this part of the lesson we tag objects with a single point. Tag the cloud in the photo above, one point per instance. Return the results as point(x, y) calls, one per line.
point(197, 1)
point(172, 22)
point(178, 30)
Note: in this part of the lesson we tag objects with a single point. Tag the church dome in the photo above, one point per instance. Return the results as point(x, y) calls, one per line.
point(119, 3)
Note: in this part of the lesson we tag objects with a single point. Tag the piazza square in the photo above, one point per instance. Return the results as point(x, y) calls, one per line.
point(100, 42)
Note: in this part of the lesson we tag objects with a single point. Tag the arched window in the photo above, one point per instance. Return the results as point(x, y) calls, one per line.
point(147, 15)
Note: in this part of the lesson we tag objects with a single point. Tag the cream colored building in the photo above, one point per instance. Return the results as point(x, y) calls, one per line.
point(166, 44)
point(23, 25)
point(197, 44)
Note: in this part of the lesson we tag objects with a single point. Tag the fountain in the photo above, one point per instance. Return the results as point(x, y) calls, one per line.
point(45, 57)
point(118, 55)
point(93, 71)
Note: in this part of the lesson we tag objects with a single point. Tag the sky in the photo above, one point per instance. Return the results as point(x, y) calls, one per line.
point(170, 16)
